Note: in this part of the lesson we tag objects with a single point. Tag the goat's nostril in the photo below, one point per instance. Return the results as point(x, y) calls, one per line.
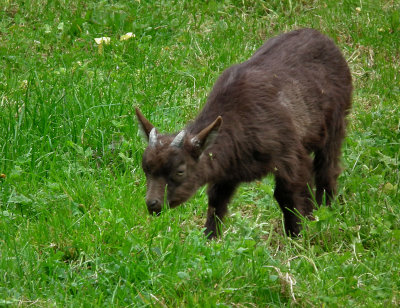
point(152, 204)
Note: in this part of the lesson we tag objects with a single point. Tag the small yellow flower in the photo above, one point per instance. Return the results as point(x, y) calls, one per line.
point(102, 40)
point(358, 9)
point(2, 176)
point(24, 84)
point(127, 36)
point(388, 187)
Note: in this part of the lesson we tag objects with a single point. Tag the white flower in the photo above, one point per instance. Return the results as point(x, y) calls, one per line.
point(127, 36)
point(24, 84)
point(100, 40)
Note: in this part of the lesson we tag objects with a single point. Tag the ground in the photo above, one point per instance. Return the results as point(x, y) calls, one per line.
point(74, 226)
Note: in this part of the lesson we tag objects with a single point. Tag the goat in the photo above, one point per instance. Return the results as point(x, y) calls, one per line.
point(265, 115)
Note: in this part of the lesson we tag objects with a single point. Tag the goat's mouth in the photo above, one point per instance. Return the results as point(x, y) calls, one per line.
point(155, 212)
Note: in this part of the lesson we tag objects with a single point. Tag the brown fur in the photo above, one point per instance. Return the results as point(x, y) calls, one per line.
point(266, 115)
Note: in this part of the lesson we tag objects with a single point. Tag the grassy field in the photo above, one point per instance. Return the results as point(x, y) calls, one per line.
point(74, 228)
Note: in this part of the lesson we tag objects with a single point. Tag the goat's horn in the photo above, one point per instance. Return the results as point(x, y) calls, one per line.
point(178, 140)
point(153, 137)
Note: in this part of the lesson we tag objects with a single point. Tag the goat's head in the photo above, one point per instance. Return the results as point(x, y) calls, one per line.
point(171, 163)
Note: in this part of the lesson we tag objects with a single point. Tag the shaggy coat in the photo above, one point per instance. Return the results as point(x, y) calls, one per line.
point(265, 115)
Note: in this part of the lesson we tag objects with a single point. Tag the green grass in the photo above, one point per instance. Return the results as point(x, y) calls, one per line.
point(74, 229)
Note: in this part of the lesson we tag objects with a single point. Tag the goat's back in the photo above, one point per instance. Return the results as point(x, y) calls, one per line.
point(295, 88)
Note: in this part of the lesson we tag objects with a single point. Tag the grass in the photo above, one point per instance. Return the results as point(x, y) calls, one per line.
point(74, 230)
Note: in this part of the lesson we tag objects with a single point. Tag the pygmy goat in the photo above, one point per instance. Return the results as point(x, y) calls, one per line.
point(265, 115)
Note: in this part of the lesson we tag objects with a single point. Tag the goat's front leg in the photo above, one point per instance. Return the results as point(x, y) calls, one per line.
point(292, 198)
point(219, 195)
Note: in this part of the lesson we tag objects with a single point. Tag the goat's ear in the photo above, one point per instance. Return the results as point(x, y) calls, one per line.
point(207, 136)
point(144, 124)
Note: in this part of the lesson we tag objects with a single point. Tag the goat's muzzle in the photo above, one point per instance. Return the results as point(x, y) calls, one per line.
point(153, 206)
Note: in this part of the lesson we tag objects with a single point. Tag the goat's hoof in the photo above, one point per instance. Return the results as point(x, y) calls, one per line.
point(210, 234)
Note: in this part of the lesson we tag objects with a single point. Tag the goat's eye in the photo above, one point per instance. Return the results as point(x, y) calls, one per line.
point(180, 172)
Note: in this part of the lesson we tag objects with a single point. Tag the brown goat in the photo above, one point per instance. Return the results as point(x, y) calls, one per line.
point(265, 115)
